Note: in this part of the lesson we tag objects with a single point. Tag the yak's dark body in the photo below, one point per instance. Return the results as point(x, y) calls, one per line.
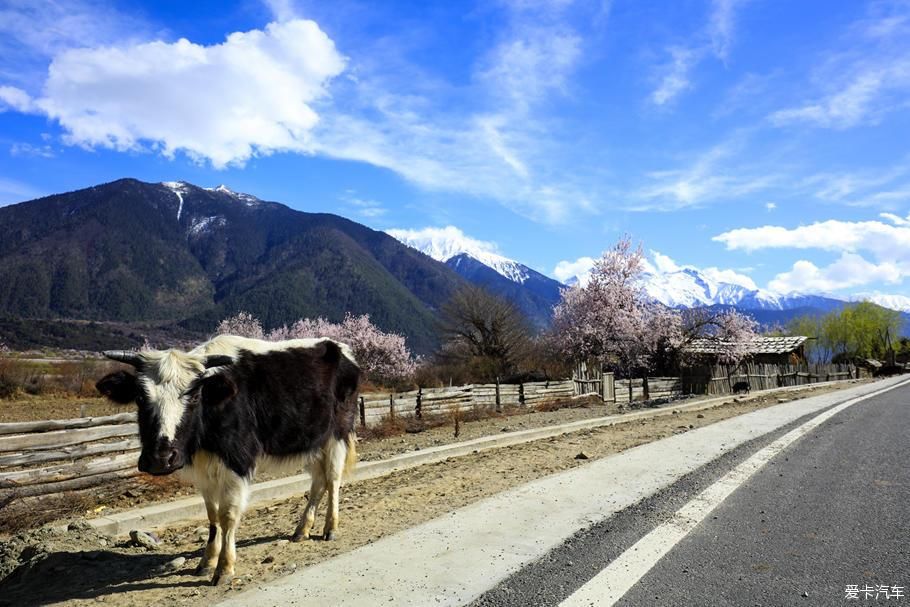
point(281, 404)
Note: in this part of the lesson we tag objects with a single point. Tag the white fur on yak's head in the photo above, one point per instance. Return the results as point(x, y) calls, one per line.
point(157, 387)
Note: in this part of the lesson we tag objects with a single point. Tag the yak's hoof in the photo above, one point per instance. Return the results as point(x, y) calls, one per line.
point(222, 579)
point(328, 536)
point(300, 535)
point(203, 571)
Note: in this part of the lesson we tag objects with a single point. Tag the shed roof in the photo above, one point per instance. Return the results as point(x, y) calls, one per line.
point(759, 345)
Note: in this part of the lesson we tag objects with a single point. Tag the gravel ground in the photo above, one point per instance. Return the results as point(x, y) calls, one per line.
point(79, 566)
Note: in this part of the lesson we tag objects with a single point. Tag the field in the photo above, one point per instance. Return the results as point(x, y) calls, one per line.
point(110, 570)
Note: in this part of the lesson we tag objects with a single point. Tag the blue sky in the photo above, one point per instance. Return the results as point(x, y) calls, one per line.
point(767, 139)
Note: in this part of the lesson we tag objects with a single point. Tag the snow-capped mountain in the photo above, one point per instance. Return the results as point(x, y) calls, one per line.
point(445, 244)
point(900, 303)
point(532, 292)
point(688, 287)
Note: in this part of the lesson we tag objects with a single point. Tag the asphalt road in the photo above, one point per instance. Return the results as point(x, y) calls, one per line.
point(831, 510)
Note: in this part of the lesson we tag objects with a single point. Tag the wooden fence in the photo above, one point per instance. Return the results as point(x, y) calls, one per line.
point(720, 379)
point(473, 397)
point(52, 456)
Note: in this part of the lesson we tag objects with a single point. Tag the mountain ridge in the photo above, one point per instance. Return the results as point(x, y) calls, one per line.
point(135, 251)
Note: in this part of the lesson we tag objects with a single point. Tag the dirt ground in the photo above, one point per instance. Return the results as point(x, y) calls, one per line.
point(29, 408)
point(79, 566)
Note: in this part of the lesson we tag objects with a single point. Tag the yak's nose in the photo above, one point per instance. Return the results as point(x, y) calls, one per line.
point(172, 459)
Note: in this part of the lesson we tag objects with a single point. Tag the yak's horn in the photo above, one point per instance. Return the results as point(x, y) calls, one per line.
point(130, 358)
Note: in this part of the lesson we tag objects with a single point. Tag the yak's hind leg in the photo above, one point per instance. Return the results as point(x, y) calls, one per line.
point(232, 503)
point(317, 488)
point(339, 457)
point(213, 546)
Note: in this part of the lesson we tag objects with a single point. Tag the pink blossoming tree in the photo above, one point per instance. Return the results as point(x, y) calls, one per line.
point(612, 319)
point(384, 356)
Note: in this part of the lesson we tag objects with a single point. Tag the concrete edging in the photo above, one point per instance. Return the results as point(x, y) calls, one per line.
point(157, 515)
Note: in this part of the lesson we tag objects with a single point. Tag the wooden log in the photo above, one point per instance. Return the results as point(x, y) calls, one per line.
point(61, 438)
point(63, 472)
point(75, 452)
point(71, 485)
point(48, 425)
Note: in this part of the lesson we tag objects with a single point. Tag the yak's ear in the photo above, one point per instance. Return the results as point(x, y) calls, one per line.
point(121, 387)
point(214, 391)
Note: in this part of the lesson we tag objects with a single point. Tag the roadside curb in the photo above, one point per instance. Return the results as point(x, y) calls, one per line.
point(157, 515)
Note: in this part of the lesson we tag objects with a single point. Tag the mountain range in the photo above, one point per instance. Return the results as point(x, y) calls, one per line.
point(175, 253)
point(107, 265)
point(676, 287)
point(532, 292)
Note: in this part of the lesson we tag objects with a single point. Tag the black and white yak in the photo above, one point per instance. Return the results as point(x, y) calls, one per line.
point(232, 405)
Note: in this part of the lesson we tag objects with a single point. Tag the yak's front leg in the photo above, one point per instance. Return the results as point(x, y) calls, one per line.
point(230, 510)
point(213, 546)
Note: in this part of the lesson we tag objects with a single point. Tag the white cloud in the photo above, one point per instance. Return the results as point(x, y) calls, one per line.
point(885, 240)
point(663, 263)
point(364, 207)
point(770, 206)
point(443, 243)
point(887, 243)
point(896, 219)
point(675, 78)
point(500, 145)
point(29, 150)
point(287, 88)
point(580, 269)
point(710, 177)
point(849, 270)
point(881, 187)
point(716, 39)
point(861, 100)
point(282, 10)
point(33, 31)
point(860, 85)
point(253, 94)
point(16, 99)
point(721, 26)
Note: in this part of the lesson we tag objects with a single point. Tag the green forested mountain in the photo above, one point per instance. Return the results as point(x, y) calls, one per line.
point(176, 253)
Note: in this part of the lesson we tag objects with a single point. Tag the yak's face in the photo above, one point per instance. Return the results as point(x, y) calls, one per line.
point(165, 416)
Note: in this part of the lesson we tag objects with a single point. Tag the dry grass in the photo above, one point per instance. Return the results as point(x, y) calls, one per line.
point(72, 378)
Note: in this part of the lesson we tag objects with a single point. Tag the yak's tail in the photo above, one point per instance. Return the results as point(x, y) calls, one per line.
point(350, 459)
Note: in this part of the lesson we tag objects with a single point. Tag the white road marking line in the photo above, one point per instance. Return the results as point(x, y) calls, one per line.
point(617, 578)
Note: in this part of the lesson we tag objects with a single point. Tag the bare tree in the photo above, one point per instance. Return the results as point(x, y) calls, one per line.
point(484, 331)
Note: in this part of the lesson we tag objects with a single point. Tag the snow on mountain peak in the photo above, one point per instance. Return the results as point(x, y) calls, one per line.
point(442, 244)
point(248, 199)
point(178, 188)
point(901, 303)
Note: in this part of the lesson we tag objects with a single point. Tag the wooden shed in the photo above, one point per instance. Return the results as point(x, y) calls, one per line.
point(765, 350)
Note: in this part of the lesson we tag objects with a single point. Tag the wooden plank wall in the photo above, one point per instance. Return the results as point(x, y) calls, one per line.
point(720, 379)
